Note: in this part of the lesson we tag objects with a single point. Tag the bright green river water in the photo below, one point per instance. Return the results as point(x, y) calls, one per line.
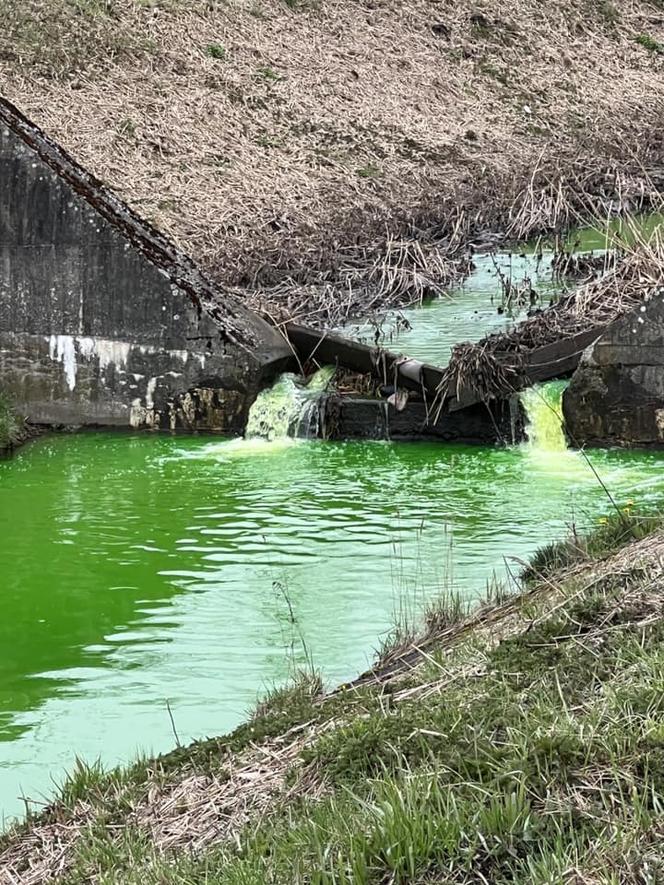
point(137, 570)
point(472, 311)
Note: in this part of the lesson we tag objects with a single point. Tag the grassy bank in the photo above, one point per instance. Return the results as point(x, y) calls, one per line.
point(331, 155)
point(12, 429)
point(521, 742)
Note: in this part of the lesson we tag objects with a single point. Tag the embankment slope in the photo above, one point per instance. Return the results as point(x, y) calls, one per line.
point(268, 136)
point(523, 743)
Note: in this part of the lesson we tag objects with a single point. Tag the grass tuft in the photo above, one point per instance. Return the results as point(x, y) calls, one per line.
point(216, 50)
point(10, 425)
point(650, 44)
point(612, 532)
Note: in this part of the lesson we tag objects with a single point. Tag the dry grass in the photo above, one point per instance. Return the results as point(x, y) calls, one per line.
point(187, 811)
point(403, 273)
point(186, 808)
point(283, 142)
point(493, 365)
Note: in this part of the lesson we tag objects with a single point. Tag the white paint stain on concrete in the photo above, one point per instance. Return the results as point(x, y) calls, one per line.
point(149, 393)
point(114, 353)
point(62, 349)
point(70, 350)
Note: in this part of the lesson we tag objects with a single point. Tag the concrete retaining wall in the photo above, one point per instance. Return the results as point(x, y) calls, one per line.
point(102, 320)
point(347, 417)
point(616, 396)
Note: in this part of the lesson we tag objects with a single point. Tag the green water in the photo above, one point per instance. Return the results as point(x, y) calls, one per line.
point(137, 569)
point(472, 310)
point(543, 405)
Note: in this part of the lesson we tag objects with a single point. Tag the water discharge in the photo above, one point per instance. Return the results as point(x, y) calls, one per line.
point(139, 569)
point(289, 408)
point(543, 406)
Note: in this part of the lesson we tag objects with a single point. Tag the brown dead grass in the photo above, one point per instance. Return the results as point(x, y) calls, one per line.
point(312, 135)
point(189, 812)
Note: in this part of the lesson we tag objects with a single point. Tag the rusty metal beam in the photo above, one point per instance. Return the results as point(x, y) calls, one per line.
point(335, 350)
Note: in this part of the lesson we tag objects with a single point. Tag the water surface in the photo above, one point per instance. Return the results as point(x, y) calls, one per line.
point(478, 307)
point(137, 569)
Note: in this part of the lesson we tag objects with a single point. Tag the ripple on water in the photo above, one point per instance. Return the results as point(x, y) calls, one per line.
point(182, 552)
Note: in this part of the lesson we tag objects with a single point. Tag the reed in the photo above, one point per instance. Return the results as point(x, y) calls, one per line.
point(305, 168)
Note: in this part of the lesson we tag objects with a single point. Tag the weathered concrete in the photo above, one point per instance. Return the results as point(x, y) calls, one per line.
point(103, 321)
point(616, 396)
point(347, 417)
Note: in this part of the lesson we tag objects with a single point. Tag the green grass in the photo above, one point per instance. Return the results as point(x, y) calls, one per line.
point(515, 775)
point(63, 36)
point(525, 753)
point(216, 50)
point(10, 425)
point(269, 74)
point(302, 5)
point(60, 38)
point(650, 44)
point(369, 171)
point(611, 533)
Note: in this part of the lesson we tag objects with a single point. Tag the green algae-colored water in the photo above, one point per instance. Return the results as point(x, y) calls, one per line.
point(140, 570)
point(473, 308)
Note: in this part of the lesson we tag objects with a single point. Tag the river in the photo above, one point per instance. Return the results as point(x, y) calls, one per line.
point(139, 570)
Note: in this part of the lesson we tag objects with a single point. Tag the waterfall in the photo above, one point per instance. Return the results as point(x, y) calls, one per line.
point(543, 407)
point(290, 408)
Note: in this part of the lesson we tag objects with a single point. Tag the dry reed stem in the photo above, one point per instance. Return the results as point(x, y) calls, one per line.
point(324, 135)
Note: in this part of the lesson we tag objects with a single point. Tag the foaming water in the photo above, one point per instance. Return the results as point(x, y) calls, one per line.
point(543, 405)
point(546, 448)
point(240, 447)
point(289, 408)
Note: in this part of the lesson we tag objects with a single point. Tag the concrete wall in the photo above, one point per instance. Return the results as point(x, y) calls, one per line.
point(348, 417)
point(94, 332)
point(616, 396)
